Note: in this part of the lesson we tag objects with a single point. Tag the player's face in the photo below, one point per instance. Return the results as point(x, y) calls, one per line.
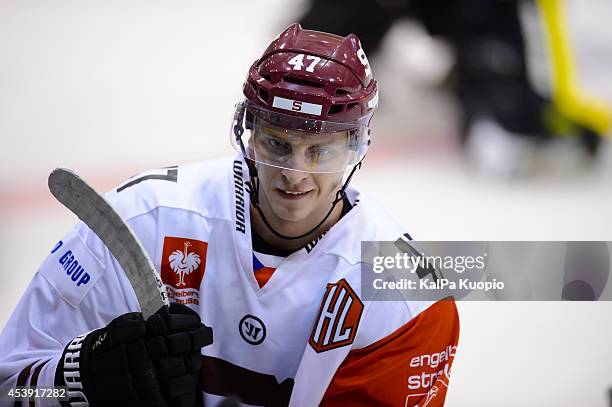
point(291, 195)
point(297, 196)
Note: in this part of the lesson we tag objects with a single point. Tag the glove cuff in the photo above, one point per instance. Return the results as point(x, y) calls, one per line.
point(71, 368)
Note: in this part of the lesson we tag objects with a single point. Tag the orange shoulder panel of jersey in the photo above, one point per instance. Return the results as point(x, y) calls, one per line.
point(410, 367)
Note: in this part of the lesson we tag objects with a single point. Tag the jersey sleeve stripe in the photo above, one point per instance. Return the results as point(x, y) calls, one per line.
point(34, 379)
point(22, 378)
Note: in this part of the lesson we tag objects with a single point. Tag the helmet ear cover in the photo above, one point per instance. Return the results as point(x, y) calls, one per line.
point(249, 120)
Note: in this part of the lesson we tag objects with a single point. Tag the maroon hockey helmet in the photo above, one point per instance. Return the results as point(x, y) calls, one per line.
point(310, 91)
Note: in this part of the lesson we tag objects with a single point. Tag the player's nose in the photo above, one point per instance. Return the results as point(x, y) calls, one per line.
point(294, 177)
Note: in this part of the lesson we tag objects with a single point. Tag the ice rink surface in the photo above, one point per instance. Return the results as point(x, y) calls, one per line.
point(112, 88)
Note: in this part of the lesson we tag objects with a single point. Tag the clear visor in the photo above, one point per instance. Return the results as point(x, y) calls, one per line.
point(327, 147)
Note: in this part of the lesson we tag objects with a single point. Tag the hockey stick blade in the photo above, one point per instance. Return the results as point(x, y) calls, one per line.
point(82, 200)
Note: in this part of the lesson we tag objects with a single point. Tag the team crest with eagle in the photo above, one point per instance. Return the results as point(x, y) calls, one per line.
point(182, 268)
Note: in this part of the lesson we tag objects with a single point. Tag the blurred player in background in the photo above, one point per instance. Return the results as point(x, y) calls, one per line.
point(265, 248)
point(506, 120)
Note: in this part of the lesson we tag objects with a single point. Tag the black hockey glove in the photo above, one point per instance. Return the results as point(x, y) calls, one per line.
point(137, 363)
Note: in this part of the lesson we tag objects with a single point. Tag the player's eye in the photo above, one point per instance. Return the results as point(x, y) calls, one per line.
point(319, 153)
point(278, 146)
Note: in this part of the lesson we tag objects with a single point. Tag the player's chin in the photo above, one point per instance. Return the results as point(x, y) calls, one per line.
point(291, 209)
point(292, 213)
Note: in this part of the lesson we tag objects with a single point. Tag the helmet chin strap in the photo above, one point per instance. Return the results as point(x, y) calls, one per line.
point(253, 184)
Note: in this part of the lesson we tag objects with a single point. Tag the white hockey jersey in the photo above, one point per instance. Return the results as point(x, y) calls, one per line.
point(304, 338)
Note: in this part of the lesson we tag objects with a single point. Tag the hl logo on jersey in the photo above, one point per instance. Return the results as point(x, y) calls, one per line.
point(182, 268)
point(338, 318)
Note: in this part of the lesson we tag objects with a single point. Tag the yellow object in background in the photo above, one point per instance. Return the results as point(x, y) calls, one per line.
point(568, 99)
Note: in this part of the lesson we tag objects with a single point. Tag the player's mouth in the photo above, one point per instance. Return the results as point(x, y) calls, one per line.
point(293, 195)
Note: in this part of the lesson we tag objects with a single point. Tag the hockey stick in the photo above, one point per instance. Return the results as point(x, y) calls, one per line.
point(82, 200)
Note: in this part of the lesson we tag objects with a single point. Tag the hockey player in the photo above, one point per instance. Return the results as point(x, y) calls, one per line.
point(265, 248)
